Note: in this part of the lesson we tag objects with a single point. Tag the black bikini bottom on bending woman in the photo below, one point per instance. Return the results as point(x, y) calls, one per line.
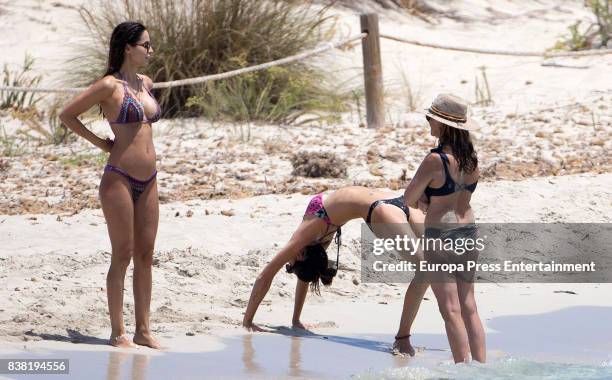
point(397, 202)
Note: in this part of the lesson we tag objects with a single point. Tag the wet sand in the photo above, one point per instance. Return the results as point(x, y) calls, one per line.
point(328, 355)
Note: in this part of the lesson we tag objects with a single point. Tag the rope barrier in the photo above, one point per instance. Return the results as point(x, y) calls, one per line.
point(183, 82)
point(316, 51)
point(500, 52)
point(42, 89)
point(282, 61)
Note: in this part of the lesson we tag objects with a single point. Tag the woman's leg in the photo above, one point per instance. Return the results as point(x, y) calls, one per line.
point(118, 211)
point(448, 303)
point(146, 218)
point(389, 221)
point(412, 301)
point(471, 319)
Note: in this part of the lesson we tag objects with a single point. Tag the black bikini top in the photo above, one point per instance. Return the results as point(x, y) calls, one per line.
point(449, 186)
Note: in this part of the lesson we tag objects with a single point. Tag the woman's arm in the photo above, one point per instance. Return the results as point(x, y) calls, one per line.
point(96, 94)
point(306, 233)
point(421, 179)
point(301, 289)
point(264, 280)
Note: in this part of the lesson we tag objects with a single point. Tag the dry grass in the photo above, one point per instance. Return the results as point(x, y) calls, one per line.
point(482, 91)
point(411, 95)
point(192, 38)
point(41, 123)
point(10, 145)
point(318, 164)
point(23, 77)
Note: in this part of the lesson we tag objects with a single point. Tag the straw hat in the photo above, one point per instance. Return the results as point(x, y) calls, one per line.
point(451, 110)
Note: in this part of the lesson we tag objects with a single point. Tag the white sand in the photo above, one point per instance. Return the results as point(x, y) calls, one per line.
point(544, 120)
point(54, 271)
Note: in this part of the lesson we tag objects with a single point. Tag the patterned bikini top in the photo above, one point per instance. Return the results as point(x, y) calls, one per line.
point(132, 111)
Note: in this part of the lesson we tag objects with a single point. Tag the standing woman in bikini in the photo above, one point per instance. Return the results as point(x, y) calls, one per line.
point(447, 177)
point(128, 189)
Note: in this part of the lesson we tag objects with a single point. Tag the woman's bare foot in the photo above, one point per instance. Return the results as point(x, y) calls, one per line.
point(251, 327)
point(403, 346)
point(300, 325)
point(122, 341)
point(146, 339)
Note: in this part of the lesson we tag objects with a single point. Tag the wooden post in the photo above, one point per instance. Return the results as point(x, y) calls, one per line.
point(372, 71)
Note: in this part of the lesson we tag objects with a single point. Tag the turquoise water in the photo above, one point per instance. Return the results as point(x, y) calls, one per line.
point(500, 369)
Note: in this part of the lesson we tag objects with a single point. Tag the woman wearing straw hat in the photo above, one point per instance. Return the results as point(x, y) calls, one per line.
point(447, 178)
point(128, 189)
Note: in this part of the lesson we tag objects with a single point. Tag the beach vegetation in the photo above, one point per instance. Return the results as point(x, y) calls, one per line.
point(39, 117)
point(21, 77)
point(44, 125)
point(417, 8)
point(95, 159)
point(591, 35)
point(359, 105)
point(482, 90)
point(411, 95)
point(10, 145)
point(318, 164)
point(193, 38)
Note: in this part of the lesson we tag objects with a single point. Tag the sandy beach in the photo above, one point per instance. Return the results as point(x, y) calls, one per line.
point(544, 153)
point(202, 285)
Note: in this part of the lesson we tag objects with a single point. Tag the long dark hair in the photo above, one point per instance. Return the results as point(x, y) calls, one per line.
point(313, 268)
point(128, 32)
point(461, 145)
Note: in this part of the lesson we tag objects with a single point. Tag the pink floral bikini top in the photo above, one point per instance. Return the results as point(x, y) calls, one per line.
point(132, 111)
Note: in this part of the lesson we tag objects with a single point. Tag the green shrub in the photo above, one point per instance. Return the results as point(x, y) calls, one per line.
point(192, 38)
point(596, 34)
point(576, 40)
point(602, 9)
point(43, 120)
point(58, 132)
point(10, 145)
point(19, 78)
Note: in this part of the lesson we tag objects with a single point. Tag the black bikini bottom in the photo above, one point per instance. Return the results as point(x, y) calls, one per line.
point(397, 202)
point(136, 186)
